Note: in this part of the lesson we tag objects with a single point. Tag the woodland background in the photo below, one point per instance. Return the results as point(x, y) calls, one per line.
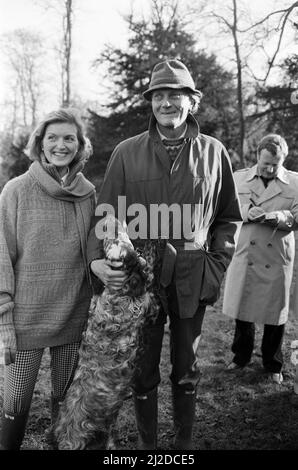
point(247, 85)
point(247, 88)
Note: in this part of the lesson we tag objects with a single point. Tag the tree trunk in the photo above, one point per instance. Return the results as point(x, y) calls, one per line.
point(239, 87)
point(67, 45)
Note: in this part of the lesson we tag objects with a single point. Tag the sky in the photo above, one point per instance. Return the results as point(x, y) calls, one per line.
point(97, 22)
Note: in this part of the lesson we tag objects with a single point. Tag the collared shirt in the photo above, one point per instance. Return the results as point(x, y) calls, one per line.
point(281, 174)
point(163, 137)
point(63, 179)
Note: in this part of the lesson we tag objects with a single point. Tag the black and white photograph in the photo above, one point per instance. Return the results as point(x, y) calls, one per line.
point(149, 230)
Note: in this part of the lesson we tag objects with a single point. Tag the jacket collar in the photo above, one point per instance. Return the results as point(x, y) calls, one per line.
point(192, 131)
point(281, 174)
point(259, 194)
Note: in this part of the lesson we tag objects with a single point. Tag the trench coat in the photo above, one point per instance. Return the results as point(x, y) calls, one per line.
point(258, 280)
point(201, 179)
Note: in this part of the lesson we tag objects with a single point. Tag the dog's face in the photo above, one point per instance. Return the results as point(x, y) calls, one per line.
point(118, 247)
point(116, 242)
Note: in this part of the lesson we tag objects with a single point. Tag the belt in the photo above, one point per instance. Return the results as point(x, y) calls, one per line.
point(169, 254)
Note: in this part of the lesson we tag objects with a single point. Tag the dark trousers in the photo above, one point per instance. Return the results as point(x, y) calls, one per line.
point(184, 341)
point(243, 345)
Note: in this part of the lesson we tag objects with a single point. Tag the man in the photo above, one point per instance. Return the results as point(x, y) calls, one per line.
point(173, 165)
point(259, 277)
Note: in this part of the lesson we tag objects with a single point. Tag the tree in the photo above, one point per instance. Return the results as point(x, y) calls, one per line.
point(25, 57)
point(14, 160)
point(151, 40)
point(230, 25)
point(249, 37)
point(278, 113)
point(67, 21)
point(282, 17)
point(24, 51)
point(65, 11)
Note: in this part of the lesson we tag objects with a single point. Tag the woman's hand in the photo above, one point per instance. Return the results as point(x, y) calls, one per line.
point(8, 346)
point(109, 272)
point(7, 355)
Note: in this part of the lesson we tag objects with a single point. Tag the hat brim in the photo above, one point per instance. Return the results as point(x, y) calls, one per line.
point(147, 94)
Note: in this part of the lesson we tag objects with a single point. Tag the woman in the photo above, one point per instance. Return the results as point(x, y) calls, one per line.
point(45, 291)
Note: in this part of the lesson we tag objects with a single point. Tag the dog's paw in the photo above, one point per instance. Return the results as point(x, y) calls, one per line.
point(99, 442)
point(111, 444)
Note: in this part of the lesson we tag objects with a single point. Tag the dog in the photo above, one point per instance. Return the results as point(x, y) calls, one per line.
point(107, 356)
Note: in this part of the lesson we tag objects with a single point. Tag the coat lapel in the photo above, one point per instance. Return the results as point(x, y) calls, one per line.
point(271, 191)
point(254, 184)
point(161, 152)
point(256, 187)
point(259, 193)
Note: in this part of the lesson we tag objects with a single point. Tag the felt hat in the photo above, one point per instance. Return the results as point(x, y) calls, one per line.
point(170, 74)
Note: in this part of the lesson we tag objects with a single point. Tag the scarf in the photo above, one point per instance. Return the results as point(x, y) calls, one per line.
point(76, 186)
point(77, 189)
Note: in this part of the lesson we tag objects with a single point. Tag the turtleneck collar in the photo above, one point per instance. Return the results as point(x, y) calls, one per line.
point(63, 179)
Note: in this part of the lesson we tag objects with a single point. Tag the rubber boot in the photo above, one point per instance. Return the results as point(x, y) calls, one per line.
point(12, 431)
point(184, 405)
point(49, 433)
point(146, 418)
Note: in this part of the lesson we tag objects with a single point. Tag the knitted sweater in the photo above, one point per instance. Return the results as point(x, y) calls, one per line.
point(44, 291)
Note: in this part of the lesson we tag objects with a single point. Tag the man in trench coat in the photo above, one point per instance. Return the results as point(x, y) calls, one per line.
point(173, 165)
point(259, 277)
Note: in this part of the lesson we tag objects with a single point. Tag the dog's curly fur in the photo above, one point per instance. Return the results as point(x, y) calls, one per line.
point(109, 346)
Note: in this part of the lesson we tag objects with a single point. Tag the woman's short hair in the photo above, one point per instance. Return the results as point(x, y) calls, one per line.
point(68, 115)
point(275, 144)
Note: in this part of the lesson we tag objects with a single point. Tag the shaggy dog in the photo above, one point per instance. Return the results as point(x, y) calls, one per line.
point(108, 350)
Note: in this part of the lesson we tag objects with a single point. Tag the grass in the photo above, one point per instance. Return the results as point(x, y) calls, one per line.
point(236, 410)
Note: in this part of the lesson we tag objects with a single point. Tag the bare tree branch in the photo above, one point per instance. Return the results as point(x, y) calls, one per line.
point(280, 39)
point(268, 111)
point(268, 16)
point(24, 50)
point(223, 19)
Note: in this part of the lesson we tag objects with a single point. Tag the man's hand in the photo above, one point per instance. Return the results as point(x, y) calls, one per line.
point(256, 214)
point(109, 272)
point(272, 218)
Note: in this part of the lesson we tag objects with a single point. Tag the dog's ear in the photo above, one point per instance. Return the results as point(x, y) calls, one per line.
point(130, 260)
point(134, 285)
point(134, 265)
